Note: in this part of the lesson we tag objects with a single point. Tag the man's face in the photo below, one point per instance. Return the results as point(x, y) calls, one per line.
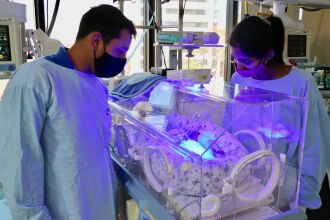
point(118, 47)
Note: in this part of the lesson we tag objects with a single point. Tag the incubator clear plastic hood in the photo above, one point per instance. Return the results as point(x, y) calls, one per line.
point(232, 156)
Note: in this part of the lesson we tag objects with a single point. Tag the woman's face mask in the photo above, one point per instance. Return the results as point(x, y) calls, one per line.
point(250, 72)
point(108, 66)
point(247, 66)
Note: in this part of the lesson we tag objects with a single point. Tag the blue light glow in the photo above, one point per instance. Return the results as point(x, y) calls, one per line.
point(194, 88)
point(281, 133)
point(197, 148)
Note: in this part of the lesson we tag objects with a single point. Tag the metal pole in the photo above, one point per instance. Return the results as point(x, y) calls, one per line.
point(22, 34)
point(158, 20)
point(121, 5)
point(146, 39)
point(145, 26)
point(149, 39)
point(180, 29)
point(39, 12)
point(229, 26)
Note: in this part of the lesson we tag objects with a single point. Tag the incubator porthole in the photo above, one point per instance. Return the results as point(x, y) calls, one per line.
point(123, 142)
point(156, 169)
point(255, 183)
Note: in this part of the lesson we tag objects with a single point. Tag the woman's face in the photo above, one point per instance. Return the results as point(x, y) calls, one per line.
point(242, 61)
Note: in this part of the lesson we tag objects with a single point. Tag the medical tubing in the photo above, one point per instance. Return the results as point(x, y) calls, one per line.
point(141, 38)
point(50, 28)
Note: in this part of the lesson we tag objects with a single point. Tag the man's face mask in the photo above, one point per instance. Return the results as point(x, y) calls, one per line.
point(250, 72)
point(108, 66)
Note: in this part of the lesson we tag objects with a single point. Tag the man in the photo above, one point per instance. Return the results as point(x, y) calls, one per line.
point(55, 125)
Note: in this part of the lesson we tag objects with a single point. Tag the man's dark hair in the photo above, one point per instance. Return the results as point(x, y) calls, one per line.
point(255, 37)
point(107, 20)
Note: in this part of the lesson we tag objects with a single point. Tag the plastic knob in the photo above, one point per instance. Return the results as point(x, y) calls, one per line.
point(11, 67)
point(211, 38)
point(210, 205)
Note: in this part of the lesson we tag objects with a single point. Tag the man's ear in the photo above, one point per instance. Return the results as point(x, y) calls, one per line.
point(96, 39)
point(270, 55)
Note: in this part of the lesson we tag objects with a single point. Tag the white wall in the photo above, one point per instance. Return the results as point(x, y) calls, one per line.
point(319, 25)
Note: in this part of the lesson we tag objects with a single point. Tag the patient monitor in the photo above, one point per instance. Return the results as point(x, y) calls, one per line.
point(12, 36)
point(10, 45)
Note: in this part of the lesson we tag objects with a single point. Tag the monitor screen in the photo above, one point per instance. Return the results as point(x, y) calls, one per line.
point(297, 45)
point(5, 54)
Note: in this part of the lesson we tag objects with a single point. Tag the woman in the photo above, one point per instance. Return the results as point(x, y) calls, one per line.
point(257, 48)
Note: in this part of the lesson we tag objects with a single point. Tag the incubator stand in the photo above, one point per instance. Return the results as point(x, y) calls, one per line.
point(199, 156)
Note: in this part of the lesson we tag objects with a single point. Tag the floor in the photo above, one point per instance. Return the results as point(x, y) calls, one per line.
point(323, 212)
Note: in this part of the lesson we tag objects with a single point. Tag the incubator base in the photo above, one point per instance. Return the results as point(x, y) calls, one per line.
point(187, 207)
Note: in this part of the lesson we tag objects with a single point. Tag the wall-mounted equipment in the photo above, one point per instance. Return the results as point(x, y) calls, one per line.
point(12, 36)
point(10, 45)
point(297, 46)
point(188, 40)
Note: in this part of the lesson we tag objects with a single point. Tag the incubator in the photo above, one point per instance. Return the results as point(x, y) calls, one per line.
point(234, 155)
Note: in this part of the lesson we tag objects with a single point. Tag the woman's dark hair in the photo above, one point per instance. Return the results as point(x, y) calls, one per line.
point(278, 37)
point(107, 20)
point(255, 37)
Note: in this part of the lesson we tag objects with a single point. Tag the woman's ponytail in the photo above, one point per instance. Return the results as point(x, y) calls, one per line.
point(278, 37)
